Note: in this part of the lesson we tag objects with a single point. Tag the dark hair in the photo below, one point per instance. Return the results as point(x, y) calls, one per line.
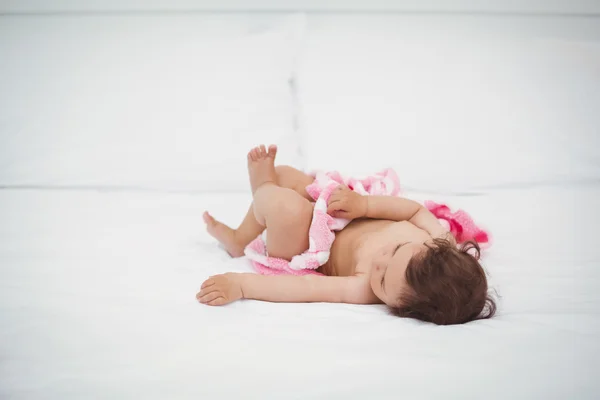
point(447, 285)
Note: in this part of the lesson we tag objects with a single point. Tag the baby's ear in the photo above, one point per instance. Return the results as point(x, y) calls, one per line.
point(467, 248)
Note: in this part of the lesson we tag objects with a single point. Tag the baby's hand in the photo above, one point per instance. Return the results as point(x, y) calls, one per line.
point(346, 203)
point(221, 289)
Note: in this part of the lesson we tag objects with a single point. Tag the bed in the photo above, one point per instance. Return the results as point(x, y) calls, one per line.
point(98, 302)
point(117, 130)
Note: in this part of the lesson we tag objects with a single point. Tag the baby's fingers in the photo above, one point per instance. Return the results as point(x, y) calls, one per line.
point(206, 291)
point(219, 301)
point(334, 206)
point(339, 214)
point(208, 297)
point(335, 196)
point(207, 283)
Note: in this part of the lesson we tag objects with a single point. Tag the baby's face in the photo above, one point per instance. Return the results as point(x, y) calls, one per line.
point(388, 269)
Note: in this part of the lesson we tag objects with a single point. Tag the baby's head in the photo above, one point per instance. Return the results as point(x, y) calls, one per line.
point(434, 282)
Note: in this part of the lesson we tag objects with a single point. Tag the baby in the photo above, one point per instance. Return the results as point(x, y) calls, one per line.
point(394, 251)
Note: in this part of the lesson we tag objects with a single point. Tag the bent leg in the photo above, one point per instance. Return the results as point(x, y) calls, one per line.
point(235, 240)
point(287, 177)
point(287, 217)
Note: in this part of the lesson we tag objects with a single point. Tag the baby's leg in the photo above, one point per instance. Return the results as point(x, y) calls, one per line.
point(287, 177)
point(285, 213)
point(235, 240)
point(287, 217)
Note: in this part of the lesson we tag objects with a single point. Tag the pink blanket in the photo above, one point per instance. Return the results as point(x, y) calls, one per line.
point(321, 233)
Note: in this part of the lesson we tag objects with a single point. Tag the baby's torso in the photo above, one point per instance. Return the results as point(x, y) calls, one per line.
point(366, 237)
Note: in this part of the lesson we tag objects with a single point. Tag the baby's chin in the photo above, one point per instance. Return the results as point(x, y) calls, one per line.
point(385, 300)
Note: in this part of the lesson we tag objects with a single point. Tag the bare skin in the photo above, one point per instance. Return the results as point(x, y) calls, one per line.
point(368, 258)
point(235, 240)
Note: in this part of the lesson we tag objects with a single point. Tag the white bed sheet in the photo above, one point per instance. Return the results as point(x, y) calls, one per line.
point(97, 301)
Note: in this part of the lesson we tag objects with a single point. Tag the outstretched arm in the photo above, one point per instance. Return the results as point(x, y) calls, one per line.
point(225, 288)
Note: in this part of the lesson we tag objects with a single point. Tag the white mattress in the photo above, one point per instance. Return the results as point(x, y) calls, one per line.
point(97, 301)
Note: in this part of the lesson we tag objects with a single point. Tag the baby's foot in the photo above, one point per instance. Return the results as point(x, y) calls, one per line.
point(224, 234)
point(261, 166)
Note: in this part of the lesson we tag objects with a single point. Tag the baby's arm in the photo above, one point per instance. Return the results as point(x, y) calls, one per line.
point(402, 209)
point(225, 288)
point(346, 203)
point(308, 288)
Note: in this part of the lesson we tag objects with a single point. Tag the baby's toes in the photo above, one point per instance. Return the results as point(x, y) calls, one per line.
point(208, 219)
point(253, 154)
point(272, 151)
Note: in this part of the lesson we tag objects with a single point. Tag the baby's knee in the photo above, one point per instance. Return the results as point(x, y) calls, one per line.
point(275, 202)
point(291, 205)
point(289, 208)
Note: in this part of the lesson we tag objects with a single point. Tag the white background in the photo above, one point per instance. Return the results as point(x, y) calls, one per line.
point(513, 6)
point(99, 265)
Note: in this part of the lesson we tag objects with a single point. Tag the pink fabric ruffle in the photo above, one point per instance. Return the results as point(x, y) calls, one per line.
point(460, 224)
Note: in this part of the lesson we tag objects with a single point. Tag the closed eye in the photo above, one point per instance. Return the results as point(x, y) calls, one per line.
point(383, 277)
point(396, 249)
